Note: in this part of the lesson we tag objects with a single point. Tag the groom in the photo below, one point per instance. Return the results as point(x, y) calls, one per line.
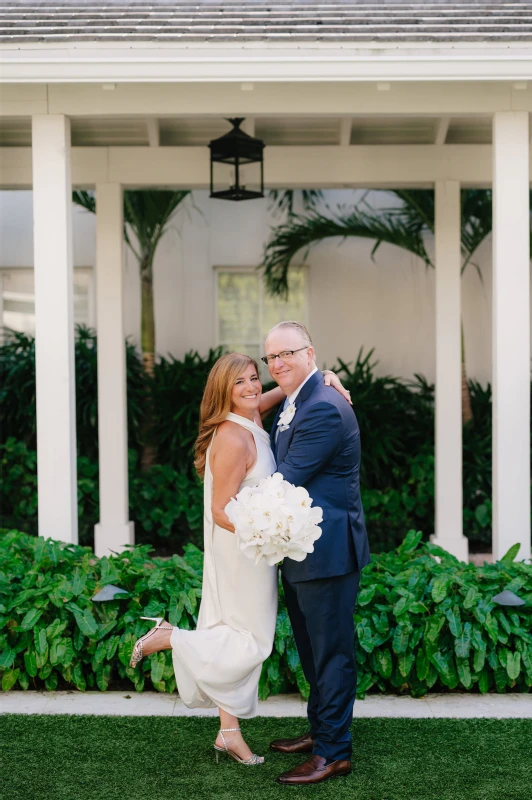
point(316, 442)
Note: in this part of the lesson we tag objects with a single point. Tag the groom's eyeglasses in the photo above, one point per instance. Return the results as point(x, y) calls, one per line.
point(286, 355)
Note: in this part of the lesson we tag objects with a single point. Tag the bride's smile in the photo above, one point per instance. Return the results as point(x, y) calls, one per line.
point(246, 393)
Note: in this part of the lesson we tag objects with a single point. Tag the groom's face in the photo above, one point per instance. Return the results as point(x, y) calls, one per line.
point(289, 372)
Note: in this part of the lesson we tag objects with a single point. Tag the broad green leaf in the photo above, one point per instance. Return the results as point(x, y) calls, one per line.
point(400, 640)
point(30, 619)
point(302, 683)
point(462, 644)
point(86, 622)
point(492, 628)
point(434, 626)
point(484, 681)
point(7, 658)
point(405, 663)
point(440, 588)
point(471, 597)
point(479, 659)
point(24, 681)
point(51, 682)
point(513, 665)
point(464, 673)
point(410, 542)
point(366, 683)
point(477, 639)
point(509, 557)
point(78, 678)
point(384, 662)
point(455, 623)
point(264, 685)
point(422, 664)
point(103, 676)
point(39, 636)
point(365, 596)
point(527, 659)
point(401, 606)
point(78, 582)
point(157, 667)
point(68, 653)
point(106, 628)
point(9, 679)
point(45, 671)
point(112, 646)
point(30, 663)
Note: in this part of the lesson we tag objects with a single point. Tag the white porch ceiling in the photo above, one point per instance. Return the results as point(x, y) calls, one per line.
point(196, 131)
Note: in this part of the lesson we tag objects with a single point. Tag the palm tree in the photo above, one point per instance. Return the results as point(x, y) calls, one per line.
point(147, 215)
point(405, 225)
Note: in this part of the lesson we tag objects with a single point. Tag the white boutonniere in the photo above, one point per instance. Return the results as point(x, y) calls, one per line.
point(286, 418)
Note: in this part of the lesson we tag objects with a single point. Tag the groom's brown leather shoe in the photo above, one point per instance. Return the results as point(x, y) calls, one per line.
point(303, 744)
point(315, 770)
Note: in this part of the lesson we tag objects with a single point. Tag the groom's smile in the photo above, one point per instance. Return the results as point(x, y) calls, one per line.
point(295, 360)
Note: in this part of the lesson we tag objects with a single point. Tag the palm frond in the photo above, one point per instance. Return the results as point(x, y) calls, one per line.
point(476, 222)
point(85, 200)
point(282, 200)
point(300, 233)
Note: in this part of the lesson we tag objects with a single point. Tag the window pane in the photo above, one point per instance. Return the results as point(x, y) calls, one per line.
point(276, 310)
point(238, 307)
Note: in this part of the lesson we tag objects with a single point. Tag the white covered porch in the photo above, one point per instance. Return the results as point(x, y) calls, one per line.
point(108, 132)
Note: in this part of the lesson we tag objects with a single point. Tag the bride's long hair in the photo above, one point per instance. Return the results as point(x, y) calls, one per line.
point(216, 401)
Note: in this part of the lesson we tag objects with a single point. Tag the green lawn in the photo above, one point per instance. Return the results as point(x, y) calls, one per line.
point(161, 758)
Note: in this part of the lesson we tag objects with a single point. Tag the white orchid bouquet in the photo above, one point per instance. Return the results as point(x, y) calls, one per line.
point(275, 520)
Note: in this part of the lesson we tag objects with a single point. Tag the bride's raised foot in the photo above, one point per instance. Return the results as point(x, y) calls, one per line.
point(235, 746)
point(156, 643)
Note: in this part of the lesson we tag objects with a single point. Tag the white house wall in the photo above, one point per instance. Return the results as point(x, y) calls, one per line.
point(353, 302)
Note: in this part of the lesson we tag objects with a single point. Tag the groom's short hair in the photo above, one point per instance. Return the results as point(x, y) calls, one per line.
point(296, 326)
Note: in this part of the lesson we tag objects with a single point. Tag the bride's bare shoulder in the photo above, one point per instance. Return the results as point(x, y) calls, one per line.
point(230, 434)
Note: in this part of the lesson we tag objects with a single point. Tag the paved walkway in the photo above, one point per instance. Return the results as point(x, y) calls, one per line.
point(149, 704)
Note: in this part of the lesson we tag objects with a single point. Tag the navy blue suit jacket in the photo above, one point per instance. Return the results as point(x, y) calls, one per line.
point(320, 450)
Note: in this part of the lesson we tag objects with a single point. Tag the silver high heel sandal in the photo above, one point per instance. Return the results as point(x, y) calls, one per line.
point(249, 761)
point(137, 654)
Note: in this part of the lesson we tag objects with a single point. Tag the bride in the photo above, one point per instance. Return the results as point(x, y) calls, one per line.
point(219, 664)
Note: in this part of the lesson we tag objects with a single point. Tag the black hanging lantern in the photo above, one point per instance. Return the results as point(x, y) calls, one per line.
point(237, 149)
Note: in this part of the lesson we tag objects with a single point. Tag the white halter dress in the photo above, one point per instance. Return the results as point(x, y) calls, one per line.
point(219, 664)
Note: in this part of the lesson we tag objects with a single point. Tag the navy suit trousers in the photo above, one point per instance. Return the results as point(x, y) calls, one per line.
point(321, 613)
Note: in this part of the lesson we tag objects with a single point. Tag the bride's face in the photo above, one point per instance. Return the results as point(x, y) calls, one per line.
point(245, 397)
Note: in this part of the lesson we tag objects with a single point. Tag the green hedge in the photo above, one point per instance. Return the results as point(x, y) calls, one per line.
point(397, 426)
point(424, 620)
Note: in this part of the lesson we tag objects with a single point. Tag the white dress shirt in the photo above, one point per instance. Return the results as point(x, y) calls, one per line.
point(292, 397)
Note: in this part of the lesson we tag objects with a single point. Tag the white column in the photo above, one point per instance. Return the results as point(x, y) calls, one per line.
point(54, 328)
point(448, 398)
point(511, 334)
point(114, 530)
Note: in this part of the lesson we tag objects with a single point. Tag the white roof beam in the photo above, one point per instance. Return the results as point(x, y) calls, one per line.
point(345, 132)
point(152, 126)
point(421, 98)
point(359, 166)
point(441, 130)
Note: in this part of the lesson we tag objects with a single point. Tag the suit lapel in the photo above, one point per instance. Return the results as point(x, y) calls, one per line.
point(274, 427)
point(283, 440)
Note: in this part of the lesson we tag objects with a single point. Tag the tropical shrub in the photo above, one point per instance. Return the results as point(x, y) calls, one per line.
point(424, 621)
point(165, 505)
point(396, 419)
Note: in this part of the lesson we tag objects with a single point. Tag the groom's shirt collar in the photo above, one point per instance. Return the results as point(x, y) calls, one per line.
point(292, 397)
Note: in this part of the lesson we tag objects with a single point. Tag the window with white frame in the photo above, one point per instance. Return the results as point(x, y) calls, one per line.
point(246, 312)
point(17, 298)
